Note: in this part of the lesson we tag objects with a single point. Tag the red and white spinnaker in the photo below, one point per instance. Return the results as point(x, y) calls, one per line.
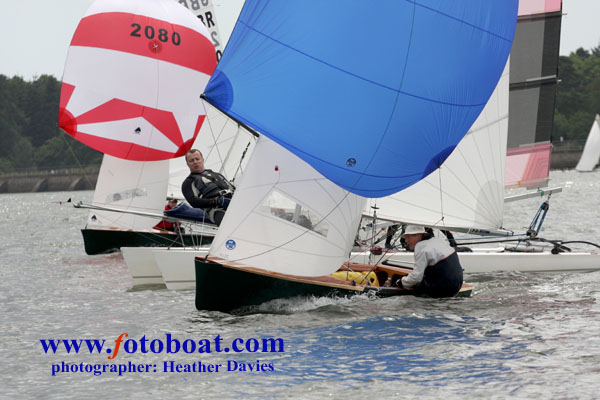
point(133, 78)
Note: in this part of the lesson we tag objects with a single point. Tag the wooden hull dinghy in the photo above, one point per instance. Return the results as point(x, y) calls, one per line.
point(224, 286)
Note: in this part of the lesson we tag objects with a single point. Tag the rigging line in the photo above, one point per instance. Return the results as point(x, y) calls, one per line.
point(234, 139)
point(237, 121)
point(239, 167)
point(462, 241)
point(76, 159)
point(240, 126)
point(569, 241)
point(215, 139)
point(441, 196)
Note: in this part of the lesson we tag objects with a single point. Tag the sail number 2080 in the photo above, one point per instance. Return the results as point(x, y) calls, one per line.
point(150, 32)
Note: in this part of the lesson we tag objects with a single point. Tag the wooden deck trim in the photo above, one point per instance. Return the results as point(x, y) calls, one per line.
point(327, 280)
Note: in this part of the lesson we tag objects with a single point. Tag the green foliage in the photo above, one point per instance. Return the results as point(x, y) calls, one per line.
point(29, 134)
point(578, 97)
point(64, 151)
point(23, 153)
point(30, 138)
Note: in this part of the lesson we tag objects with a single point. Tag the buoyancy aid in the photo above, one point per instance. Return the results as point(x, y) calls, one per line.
point(209, 184)
point(443, 279)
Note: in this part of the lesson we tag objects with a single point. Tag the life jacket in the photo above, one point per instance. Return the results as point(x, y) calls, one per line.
point(209, 184)
point(443, 279)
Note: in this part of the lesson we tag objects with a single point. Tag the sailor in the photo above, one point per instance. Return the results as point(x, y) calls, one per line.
point(206, 189)
point(437, 270)
point(167, 225)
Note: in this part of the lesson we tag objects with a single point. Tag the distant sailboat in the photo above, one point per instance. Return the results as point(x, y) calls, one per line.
point(590, 157)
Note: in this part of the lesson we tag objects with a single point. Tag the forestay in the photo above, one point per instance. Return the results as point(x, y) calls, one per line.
point(375, 98)
point(133, 77)
point(286, 217)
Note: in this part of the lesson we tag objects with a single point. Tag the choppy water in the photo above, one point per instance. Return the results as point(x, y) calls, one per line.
point(520, 335)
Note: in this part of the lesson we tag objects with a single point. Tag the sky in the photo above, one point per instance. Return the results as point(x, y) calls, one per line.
point(35, 34)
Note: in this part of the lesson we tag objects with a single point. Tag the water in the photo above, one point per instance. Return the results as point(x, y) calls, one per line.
point(519, 336)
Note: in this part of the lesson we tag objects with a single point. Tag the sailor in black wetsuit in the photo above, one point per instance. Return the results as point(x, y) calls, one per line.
point(437, 271)
point(206, 189)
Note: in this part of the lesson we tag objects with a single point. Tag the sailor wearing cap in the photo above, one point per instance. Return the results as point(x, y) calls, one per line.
point(437, 270)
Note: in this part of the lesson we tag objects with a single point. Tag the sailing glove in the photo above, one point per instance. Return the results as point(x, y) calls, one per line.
point(221, 202)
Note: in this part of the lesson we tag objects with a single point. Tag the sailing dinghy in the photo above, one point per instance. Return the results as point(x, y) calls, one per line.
point(337, 125)
point(467, 193)
point(590, 157)
point(131, 89)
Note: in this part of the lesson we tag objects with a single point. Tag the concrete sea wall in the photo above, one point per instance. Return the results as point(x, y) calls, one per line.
point(48, 181)
point(563, 157)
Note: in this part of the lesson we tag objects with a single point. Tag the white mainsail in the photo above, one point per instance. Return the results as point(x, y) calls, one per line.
point(591, 151)
point(286, 217)
point(467, 191)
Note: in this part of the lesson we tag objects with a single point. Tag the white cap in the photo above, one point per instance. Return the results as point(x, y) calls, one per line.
point(413, 230)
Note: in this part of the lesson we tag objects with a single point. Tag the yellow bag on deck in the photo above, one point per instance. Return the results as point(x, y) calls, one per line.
point(361, 278)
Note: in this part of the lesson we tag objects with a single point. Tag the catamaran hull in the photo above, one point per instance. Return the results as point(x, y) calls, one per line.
point(102, 241)
point(176, 266)
point(225, 288)
point(142, 266)
point(473, 263)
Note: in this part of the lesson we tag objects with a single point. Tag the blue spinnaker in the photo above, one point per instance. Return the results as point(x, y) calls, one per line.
point(374, 95)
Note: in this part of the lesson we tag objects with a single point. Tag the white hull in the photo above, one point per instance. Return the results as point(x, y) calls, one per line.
point(177, 266)
point(485, 262)
point(141, 265)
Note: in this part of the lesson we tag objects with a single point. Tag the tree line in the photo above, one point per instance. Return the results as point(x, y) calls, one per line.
point(578, 95)
point(31, 139)
point(29, 133)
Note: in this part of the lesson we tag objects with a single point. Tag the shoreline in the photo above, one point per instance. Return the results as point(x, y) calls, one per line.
point(70, 179)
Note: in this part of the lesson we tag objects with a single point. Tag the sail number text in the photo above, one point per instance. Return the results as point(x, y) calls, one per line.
point(150, 32)
point(196, 4)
